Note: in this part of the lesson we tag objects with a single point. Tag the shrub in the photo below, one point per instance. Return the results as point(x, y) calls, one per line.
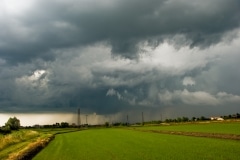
point(5, 130)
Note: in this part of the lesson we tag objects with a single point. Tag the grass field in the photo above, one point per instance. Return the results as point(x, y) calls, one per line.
point(213, 127)
point(117, 143)
point(145, 142)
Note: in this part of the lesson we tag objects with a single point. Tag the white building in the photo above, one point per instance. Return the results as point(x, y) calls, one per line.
point(217, 118)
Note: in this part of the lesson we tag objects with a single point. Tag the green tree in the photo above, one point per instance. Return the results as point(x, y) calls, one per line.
point(13, 123)
point(185, 119)
point(179, 119)
point(5, 130)
point(64, 125)
point(106, 124)
point(194, 118)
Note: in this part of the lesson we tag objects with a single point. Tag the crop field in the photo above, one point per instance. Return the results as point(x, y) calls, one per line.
point(122, 143)
point(213, 127)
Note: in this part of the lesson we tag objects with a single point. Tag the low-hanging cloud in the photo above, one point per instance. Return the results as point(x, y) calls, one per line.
point(198, 98)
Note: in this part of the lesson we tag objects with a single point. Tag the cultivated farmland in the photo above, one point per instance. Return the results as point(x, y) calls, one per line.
point(213, 127)
point(142, 143)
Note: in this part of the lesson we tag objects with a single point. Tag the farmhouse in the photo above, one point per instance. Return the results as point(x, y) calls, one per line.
point(217, 118)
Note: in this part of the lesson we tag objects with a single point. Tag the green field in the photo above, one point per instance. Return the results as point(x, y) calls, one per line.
point(120, 143)
point(135, 142)
point(213, 127)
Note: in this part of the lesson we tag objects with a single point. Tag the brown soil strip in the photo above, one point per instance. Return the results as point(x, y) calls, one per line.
point(196, 134)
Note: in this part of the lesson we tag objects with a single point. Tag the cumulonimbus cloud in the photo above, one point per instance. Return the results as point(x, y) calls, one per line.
point(34, 31)
point(59, 55)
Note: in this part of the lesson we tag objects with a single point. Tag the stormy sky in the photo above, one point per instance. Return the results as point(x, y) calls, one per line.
point(166, 58)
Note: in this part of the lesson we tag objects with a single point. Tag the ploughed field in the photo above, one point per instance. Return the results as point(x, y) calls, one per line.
point(152, 142)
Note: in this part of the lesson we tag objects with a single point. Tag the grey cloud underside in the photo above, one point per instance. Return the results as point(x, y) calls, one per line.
point(123, 24)
point(97, 83)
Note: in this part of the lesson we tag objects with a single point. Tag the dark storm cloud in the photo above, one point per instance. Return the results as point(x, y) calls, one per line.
point(119, 56)
point(96, 82)
point(50, 25)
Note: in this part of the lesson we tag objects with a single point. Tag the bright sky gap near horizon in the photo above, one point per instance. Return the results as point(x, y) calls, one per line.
point(113, 58)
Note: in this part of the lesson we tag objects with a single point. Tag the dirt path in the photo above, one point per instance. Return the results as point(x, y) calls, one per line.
point(195, 134)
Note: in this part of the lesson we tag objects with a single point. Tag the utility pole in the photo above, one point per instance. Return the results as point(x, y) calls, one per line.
point(86, 119)
point(127, 120)
point(142, 119)
point(79, 118)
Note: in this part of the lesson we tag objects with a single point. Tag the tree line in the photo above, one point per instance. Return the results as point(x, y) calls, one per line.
point(14, 123)
point(186, 119)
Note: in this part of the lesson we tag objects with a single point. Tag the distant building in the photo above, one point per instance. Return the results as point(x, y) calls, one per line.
point(217, 118)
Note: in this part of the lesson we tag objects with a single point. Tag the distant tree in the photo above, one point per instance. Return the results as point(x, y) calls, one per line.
point(114, 124)
point(238, 115)
point(170, 120)
point(224, 117)
point(47, 126)
point(64, 125)
point(167, 120)
point(107, 124)
point(179, 119)
point(13, 123)
point(194, 118)
point(202, 118)
point(185, 119)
